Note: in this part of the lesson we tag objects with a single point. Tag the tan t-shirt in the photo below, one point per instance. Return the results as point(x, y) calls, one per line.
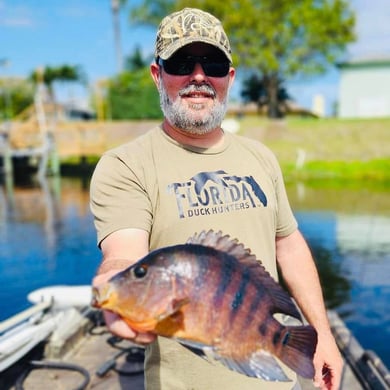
point(173, 191)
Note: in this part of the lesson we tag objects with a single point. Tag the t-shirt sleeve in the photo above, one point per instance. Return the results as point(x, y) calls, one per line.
point(118, 197)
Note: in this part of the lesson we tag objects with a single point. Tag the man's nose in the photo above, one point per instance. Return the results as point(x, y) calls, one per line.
point(198, 72)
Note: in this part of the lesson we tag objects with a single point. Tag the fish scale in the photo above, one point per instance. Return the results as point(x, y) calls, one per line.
point(214, 321)
point(214, 297)
point(228, 294)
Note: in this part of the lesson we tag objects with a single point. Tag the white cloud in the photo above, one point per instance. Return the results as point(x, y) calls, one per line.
point(15, 16)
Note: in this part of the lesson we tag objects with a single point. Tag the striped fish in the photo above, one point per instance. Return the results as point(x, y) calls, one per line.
point(214, 297)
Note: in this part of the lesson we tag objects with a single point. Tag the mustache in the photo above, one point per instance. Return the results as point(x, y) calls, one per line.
point(202, 88)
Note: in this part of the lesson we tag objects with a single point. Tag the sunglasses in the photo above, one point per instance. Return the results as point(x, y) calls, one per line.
point(183, 65)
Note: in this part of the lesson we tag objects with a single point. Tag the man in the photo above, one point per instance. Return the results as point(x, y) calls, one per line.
point(188, 175)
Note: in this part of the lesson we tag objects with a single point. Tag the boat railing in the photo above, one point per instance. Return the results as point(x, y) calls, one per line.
point(366, 365)
point(40, 307)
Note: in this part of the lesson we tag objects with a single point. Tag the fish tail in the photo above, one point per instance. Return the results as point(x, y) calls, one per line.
point(297, 349)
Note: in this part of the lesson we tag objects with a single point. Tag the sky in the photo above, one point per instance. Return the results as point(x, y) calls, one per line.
point(35, 33)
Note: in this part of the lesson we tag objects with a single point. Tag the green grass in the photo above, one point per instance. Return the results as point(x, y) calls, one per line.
point(378, 170)
point(326, 148)
point(311, 149)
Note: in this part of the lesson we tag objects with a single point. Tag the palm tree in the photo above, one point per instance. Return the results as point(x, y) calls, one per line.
point(49, 75)
point(115, 7)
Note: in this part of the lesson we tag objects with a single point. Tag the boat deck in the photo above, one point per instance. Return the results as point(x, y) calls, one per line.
point(82, 354)
point(92, 352)
point(99, 348)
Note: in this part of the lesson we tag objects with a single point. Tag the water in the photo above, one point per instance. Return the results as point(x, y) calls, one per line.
point(47, 238)
point(348, 230)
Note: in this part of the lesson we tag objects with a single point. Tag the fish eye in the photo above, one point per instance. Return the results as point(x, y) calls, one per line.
point(140, 271)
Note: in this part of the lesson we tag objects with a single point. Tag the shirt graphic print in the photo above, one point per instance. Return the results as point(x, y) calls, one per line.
point(216, 192)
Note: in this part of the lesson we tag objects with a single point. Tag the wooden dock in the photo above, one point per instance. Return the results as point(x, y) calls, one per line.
point(76, 140)
point(43, 135)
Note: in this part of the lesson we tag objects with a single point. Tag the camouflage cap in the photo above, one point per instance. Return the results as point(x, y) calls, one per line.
point(187, 26)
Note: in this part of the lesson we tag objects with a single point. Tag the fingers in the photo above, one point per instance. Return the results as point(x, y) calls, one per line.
point(318, 380)
point(103, 278)
point(144, 338)
point(328, 363)
point(327, 377)
point(327, 380)
point(118, 327)
point(334, 375)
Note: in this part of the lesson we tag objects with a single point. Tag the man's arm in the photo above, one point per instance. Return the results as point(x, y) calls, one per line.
point(121, 249)
point(300, 274)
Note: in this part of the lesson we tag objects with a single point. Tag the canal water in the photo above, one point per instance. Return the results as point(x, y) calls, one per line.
point(47, 238)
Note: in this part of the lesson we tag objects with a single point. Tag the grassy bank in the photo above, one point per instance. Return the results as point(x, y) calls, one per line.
point(306, 148)
point(326, 148)
point(374, 170)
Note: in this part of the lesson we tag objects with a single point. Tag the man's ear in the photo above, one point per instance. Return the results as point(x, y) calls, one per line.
point(155, 73)
point(232, 75)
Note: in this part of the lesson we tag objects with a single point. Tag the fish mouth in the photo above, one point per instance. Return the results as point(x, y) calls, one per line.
point(100, 297)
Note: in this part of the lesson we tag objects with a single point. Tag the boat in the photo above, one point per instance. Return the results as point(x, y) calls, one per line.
point(54, 310)
point(59, 324)
point(63, 334)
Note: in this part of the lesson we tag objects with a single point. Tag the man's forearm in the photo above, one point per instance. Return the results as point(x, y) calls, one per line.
point(301, 277)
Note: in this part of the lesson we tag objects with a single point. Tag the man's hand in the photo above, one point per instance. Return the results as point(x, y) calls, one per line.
point(328, 363)
point(117, 326)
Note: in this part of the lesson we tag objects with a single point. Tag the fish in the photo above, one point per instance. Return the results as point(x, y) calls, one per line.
point(213, 296)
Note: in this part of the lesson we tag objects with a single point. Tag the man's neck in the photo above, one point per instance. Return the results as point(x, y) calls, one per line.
point(211, 139)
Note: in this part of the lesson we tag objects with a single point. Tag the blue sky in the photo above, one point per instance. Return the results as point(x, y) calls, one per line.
point(35, 33)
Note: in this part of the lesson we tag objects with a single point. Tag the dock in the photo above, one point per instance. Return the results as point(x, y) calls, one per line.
point(43, 136)
point(77, 140)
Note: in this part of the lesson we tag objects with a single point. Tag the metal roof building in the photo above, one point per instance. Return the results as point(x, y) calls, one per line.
point(364, 90)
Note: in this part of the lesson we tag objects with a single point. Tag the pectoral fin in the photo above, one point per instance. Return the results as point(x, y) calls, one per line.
point(172, 320)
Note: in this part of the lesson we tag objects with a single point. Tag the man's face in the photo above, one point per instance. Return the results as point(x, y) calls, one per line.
point(194, 102)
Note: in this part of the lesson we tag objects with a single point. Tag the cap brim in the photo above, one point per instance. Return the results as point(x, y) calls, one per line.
point(180, 43)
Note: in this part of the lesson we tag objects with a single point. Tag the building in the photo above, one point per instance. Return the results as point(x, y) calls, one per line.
point(364, 90)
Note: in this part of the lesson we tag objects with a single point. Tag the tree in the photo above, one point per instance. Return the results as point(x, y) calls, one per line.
point(255, 89)
point(64, 73)
point(152, 11)
point(278, 38)
point(135, 61)
point(133, 95)
point(15, 96)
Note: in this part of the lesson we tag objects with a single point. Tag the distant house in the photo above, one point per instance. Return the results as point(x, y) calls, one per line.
point(364, 90)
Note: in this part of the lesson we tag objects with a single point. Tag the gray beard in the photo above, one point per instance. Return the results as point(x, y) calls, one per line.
point(181, 118)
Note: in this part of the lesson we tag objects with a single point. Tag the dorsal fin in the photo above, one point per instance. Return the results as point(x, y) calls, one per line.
point(223, 243)
point(282, 301)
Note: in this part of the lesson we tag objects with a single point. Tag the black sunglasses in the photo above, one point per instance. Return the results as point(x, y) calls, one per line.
point(183, 65)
